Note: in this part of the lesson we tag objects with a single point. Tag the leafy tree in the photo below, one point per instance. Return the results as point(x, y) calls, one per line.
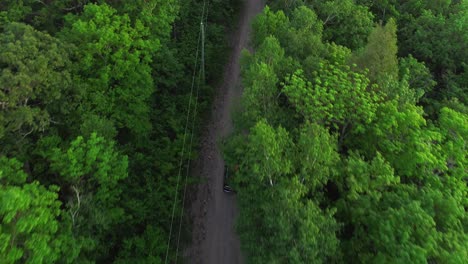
point(317, 156)
point(13, 11)
point(417, 75)
point(400, 134)
point(454, 128)
point(419, 152)
point(270, 148)
point(366, 178)
point(269, 23)
point(392, 228)
point(34, 82)
point(297, 231)
point(29, 217)
point(304, 37)
point(286, 5)
point(390, 221)
point(379, 55)
point(89, 172)
point(147, 248)
point(157, 15)
point(336, 97)
point(42, 15)
point(386, 222)
point(345, 22)
point(416, 7)
point(382, 9)
point(358, 153)
point(113, 65)
point(259, 98)
point(96, 74)
point(299, 34)
point(449, 214)
point(261, 83)
point(428, 27)
point(439, 41)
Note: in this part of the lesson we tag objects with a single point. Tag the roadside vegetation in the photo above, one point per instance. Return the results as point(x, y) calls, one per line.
point(93, 101)
point(351, 142)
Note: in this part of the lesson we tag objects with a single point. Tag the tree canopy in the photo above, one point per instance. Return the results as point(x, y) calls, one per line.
point(93, 96)
point(360, 136)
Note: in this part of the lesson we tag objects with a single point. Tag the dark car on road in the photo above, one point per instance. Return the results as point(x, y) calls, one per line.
point(226, 187)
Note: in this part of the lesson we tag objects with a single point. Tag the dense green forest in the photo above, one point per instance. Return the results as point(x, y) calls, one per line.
point(350, 144)
point(93, 96)
point(351, 139)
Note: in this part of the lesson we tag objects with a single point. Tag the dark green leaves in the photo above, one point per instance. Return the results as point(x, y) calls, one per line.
point(34, 76)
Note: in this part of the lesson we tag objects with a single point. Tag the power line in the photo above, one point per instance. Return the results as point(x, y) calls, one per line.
point(184, 141)
point(201, 76)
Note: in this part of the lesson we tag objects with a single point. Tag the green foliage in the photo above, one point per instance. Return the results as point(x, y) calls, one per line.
point(148, 248)
point(395, 224)
point(345, 22)
point(34, 80)
point(13, 11)
point(400, 135)
point(260, 93)
point(95, 72)
point(29, 217)
point(269, 23)
point(299, 231)
point(439, 40)
point(367, 178)
point(454, 129)
point(317, 156)
point(113, 55)
point(379, 56)
point(417, 75)
point(356, 169)
point(157, 15)
point(299, 34)
point(374, 179)
point(382, 9)
point(304, 37)
point(90, 172)
point(335, 97)
point(417, 7)
point(259, 98)
point(270, 149)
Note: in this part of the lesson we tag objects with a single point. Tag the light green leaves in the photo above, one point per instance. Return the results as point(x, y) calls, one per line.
point(355, 151)
point(300, 34)
point(336, 97)
point(370, 178)
point(28, 217)
point(299, 231)
point(317, 156)
point(269, 148)
point(113, 65)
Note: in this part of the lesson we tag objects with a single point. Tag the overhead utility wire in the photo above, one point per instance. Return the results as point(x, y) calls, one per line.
point(201, 79)
point(184, 140)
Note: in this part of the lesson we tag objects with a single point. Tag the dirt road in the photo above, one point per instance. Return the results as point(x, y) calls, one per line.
point(214, 212)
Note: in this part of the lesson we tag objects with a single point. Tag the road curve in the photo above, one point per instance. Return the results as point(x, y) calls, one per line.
point(213, 212)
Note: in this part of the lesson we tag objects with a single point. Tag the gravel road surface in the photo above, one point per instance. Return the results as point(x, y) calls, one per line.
point(213, 212)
